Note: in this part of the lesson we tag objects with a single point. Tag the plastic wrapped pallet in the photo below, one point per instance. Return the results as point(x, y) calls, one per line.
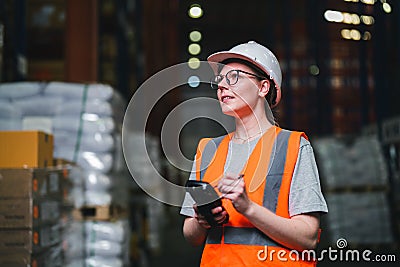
point(144, 166)
point(10, 116)
point(73, 243)
point(348, 164)
point(19, 90)
point(355, 179)
point(84, 118)
point(86, 121)
point(143, 169)
point(75, 194)
point(360, 218)
point(107, 241)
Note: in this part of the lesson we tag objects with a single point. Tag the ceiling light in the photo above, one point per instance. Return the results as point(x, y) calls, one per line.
point(194, 49)
point(195, 11)
point(194, 81)
point(333, 16)
point(194, 63)
point(386, 7)
point(195, 36)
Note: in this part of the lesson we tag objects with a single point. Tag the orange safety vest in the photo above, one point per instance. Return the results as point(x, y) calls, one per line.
point(268, 180)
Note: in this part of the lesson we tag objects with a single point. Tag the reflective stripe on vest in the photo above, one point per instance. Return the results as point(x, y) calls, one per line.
point(240, 236)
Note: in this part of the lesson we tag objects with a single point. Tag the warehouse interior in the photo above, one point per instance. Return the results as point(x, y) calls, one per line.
point(70, 71)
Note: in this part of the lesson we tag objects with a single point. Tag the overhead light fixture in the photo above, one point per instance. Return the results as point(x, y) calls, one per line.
point(194, 81)
point(355, 35)
point(345, 34)
point(348, 18)
point(194, 49)
point(333, 16)
point(368, 2)
point(367, 20)
point(314, 70)
point(195, 36)
point(195, 11)
point(367, 36)
point(386, 7)
point(194, 63)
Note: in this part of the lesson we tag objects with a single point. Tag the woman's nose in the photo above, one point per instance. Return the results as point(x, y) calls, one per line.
point(223, 85)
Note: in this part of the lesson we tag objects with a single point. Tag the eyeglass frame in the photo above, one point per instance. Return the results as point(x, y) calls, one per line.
point(215, 85)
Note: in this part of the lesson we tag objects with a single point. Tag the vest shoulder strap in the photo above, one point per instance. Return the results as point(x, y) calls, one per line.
point(205, 153)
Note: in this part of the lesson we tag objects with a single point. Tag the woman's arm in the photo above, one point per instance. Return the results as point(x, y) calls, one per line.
point(194, 233)
point(195, 228)
point(299, 232)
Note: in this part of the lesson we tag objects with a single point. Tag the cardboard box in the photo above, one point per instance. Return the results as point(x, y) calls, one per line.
point(21, 259)
point(26, 149)
point(51, 257)
point(33, 183)
point(28, 213)
point(31, 241)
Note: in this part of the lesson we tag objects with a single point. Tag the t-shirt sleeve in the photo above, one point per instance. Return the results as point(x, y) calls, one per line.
point(305, 191)
point(188, 202)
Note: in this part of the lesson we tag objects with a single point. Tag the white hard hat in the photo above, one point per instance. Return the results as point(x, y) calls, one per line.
point(256, 54)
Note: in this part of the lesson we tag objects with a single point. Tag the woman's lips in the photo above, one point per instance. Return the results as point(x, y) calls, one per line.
point(226, 98)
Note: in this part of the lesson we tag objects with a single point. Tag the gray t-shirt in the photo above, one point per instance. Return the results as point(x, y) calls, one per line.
point(305, 190)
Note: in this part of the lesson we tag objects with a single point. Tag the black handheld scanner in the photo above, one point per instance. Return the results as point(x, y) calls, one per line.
point(206, 199)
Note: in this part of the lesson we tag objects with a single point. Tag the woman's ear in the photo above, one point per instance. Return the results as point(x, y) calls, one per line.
point(264, 89)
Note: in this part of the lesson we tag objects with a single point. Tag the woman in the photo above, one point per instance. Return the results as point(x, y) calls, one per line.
point(267, 176)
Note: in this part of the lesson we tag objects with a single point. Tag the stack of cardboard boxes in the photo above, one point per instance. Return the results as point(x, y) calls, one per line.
point(33, 207)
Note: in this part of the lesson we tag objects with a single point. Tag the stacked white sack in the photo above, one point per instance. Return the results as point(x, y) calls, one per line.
point(11, 114)
point(143, 167)
point(85, 120)
point(355, 177)
point(73, 244)
point(86, 123)
point(107, 242)
point(30, 109)
point(87, 130)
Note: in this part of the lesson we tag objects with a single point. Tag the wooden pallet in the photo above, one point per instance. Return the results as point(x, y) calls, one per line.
point(100, 213)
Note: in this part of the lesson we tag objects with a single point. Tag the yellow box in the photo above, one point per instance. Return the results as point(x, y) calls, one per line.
point(26, 149)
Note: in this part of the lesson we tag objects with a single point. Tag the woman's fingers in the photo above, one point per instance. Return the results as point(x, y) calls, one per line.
point(231, 184)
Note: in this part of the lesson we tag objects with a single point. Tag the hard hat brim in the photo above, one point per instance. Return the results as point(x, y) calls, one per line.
point(218, 57)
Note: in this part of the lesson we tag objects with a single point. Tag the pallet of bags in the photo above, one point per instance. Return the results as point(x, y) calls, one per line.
point(107, 241)
point(354, 179)
point(86, 122)
point(361, 218)
point(351, 162)
point(11, 114)
point(85, 119)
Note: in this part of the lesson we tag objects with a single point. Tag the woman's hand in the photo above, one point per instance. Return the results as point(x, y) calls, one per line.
point(220, 216)
point(233, 188)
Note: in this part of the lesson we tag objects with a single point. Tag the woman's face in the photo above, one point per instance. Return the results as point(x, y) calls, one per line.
point(242, 98)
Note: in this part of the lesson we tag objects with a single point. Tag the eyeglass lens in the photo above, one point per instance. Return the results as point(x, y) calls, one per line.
point(231, 78)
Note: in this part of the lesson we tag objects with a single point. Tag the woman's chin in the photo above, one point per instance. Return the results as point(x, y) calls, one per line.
point(230, 113)
point(227, 110)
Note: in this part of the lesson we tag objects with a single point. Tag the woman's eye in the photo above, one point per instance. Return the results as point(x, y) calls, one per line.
point(233, 77)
